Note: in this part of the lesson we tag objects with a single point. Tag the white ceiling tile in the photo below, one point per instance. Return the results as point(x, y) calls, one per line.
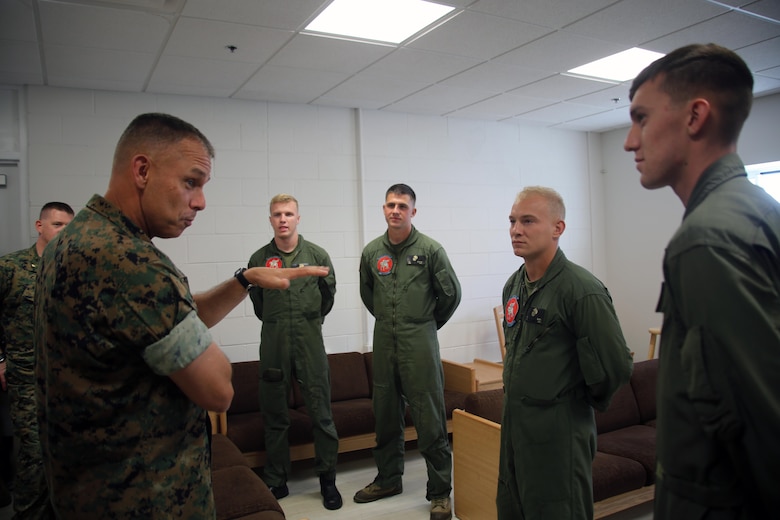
point(289, 85)
point(559, 52)
point(495, 77)
point(101, 28)
point(604, 121)
point(439, 99)
point(419, 67)
point(474, 65)
point(201, 77)
point(768, 83)
point(560, 87)
point(612, 97)
point(561, 112)
point(633, 22)
point(319, 53)
point(734, 30)
point(368, 92)
point(774, 72)
point(208, 39)
point(479, 35)
point(768, 8)
point(761, 56)
point(500, 107)
point(280, 14)
point(78, 67)
point(549, 13)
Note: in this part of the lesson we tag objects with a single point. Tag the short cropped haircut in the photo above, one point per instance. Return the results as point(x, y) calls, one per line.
point(282, 197)
point(153, 130)
point(402, 189)
point(710, 71)
point(54, 205)
point(554, 199)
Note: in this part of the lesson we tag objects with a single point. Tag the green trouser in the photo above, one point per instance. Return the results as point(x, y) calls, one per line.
point(407, 368)
point(545, 467)
point(31, 497)
point(279, 364)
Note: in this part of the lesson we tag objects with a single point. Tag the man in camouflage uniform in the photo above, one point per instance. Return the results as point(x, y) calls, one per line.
point(126, 365)
point(291, 346)
point(17, 287)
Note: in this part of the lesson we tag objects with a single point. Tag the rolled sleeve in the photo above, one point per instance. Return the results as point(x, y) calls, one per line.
point(186, 341)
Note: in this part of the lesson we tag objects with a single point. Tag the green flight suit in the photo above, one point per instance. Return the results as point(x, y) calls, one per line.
point(412, 291)
point(718, 451)
point(291, 346)
point(17, 287)
point(114, 318)
point(565, 355)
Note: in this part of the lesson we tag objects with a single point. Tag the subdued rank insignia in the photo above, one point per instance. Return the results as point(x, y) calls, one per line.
point(535, 315)
point(415, 260)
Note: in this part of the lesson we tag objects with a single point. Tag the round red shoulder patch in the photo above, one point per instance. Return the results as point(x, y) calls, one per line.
point(274, 262)
point(384, 265)
point(510, 311)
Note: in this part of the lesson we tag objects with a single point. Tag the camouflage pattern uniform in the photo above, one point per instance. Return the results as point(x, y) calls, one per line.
point(17, 287)
point(115, 318)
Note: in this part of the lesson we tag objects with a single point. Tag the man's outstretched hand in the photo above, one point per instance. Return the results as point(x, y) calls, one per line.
point(272, 278)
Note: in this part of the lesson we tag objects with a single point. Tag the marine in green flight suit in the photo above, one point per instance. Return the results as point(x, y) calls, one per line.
point(566, 355)
point(408, 284)
point(291, 347)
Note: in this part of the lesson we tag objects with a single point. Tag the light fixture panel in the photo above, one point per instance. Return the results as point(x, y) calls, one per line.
point(390, 21)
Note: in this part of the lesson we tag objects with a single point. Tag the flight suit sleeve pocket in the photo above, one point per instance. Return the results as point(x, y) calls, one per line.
point(717, 418)
point(594, 374)
point(445, 281)
point(590, 362)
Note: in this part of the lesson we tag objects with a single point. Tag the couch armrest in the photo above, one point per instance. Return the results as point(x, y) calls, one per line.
point(459, 377)
point(475, 452)
point(218, 422)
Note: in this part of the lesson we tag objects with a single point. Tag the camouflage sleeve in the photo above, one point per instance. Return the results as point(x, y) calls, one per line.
point(188, 340)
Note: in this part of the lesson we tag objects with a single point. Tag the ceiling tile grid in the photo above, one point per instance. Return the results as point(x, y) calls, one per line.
point(491, 59)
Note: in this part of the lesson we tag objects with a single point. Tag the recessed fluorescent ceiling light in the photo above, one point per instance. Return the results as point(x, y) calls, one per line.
point(378, 20)
point(618, 67)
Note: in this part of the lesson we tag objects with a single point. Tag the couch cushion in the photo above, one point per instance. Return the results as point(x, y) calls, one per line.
point(487, 404)
point(246, 384)
point(348, 377)
point(643, 382)
point(239, 492)
point(245, 430)
point(623, 411)
point(633, 442)
point(224, 453)
point(353, 417)
point(613, 475)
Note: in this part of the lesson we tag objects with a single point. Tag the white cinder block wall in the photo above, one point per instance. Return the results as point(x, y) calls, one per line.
point(338, 163)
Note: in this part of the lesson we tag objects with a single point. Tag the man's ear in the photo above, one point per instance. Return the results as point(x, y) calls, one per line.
point(141, 164)
point(560, 226)
point(699, 115)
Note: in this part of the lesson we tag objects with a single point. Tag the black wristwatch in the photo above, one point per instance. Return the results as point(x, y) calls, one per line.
point(239, 275)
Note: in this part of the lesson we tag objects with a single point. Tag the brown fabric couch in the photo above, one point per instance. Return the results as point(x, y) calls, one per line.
point(238, 491)
point(351, 379)
point(623, 469)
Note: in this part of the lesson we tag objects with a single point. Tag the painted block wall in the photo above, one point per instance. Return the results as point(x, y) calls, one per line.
point(338, 163)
